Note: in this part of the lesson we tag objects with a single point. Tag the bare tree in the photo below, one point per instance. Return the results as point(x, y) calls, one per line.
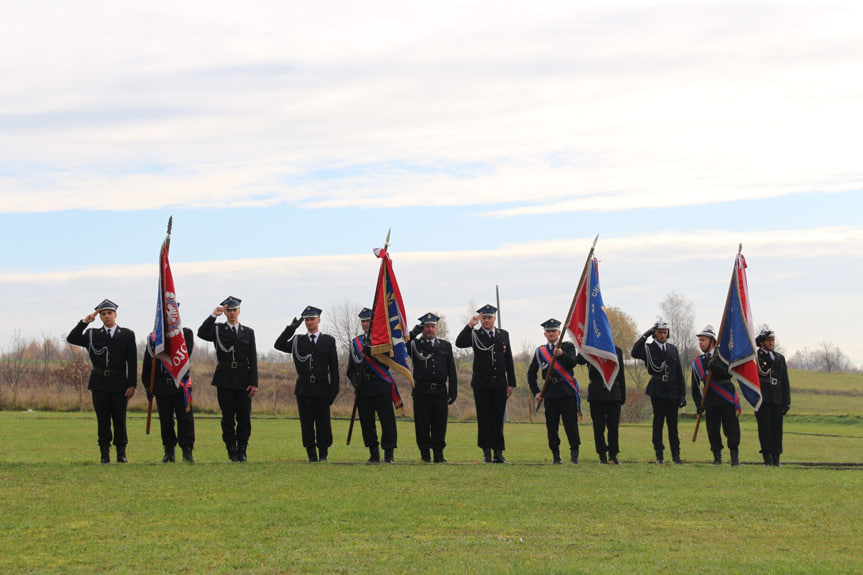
point(14, 365)
point(827, 357)
point(680, 313)
point(343, 322)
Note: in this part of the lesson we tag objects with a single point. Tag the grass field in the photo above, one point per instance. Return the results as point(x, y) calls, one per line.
point(63, 512)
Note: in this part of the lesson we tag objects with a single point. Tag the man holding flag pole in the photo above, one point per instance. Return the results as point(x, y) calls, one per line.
point(588, 323)
point(562, 401)
point(169, 379)
point(736, 349)
point(384, 347)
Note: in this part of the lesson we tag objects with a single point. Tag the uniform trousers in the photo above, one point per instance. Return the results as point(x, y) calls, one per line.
point(605, 415)
point(490, 407)
point(236, 406)
point(430, 419)
point(317, 431)
point(565, 408)
point(665, 412)
point(110, 407)
point(769, 419)
point(382, 405)
point(170, 405)
point(724, 417)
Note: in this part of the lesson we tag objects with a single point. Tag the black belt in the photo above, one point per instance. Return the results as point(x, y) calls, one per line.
point(432, 386)
point(233, 364)
point(109, 372)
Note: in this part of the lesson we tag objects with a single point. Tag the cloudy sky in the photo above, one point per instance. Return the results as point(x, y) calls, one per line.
point(496, 139)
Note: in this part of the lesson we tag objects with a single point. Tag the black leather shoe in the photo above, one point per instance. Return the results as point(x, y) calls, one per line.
point(498, 457)
point(324, 456)
point(121, 454)
point(486, 455)
point(232, 453)
point(241, 453)
point(425, 455)
point(555, 457)
point(438, 456)
point(169, 456)
point(187, 455)
point(105, 452)
point(573, 456)
point(613, 459)
point(388, 456)
point(313, 454)
point(374, 455)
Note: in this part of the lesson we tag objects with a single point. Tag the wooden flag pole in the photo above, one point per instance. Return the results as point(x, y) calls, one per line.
point(565, 326)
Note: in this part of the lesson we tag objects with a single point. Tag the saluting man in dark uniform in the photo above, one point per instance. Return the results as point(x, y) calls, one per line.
point(721, 406)
point(605, 407)
point(667, 388)
point(561, 396)
point(114, 356)
point(317, 362)
point(171, 402)
point(775, 396)
point(375, 395)
point(236, 375)
point(433, 364)
point(493, 379)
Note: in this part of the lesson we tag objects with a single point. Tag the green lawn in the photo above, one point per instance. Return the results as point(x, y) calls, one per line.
point(63, 512)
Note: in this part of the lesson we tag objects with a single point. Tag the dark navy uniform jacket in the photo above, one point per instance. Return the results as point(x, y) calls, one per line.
point(720, 377)
point(596, 390)
point(317, 364)
point(237, 355)
point(492, 360)
point(163, 383)
point(666, 374)
point(372, 384)
point(773, 374)
point(114, 359)
point(557, 386)
point(433, 365)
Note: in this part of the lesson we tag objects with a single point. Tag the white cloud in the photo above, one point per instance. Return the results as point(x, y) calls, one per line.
point(572, 105)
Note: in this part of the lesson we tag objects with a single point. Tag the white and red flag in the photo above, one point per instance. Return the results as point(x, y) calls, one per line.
point(169, 344)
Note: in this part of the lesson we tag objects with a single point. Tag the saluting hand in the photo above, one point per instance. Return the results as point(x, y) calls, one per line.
point(474, 320)
point(219, 310)
point(91, 317)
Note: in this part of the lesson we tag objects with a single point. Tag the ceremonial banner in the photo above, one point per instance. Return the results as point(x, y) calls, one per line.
point(388, 337)
point(169, 344)
point(590, 328)
point(736, 343)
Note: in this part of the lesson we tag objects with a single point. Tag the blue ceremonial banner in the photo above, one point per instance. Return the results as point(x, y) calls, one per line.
point(736, 336)
point(590, 328)
point(389, 340)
